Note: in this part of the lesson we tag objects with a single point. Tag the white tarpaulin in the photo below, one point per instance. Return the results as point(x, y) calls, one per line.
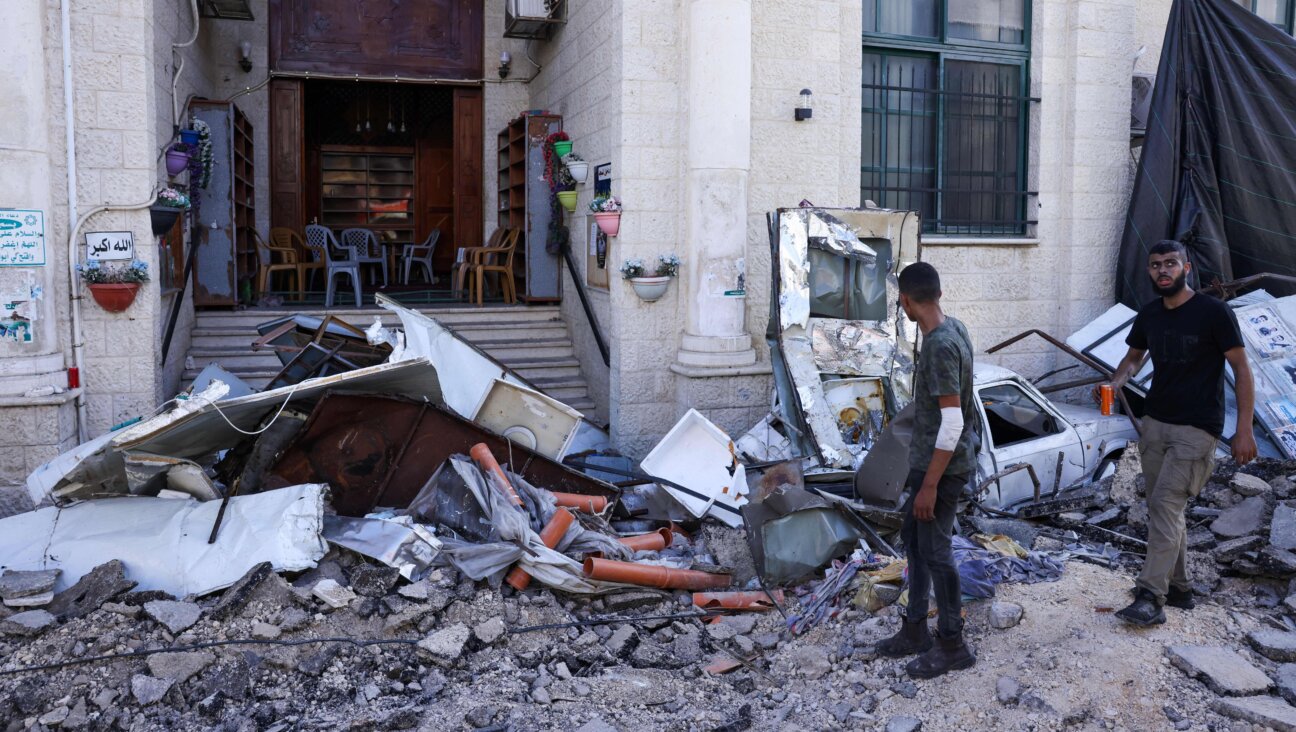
point(163, 541)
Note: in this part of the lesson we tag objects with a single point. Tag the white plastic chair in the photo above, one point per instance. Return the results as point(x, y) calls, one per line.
point(364, 243)
point(337, 259)
point(421, 254)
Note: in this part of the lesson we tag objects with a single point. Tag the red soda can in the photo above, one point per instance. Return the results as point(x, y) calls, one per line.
point(1106, 396)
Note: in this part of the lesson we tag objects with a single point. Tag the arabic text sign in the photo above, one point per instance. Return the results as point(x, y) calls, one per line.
point(22, 238)
point(110, 245)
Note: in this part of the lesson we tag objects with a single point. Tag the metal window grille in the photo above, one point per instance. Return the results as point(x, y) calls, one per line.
point(948, 142)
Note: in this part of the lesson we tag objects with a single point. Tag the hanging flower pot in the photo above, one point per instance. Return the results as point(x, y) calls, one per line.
point(609, 222)
point(163, 218)
point(568, 200)
point(562, 148)
point(577, 168)
point(190, 137)
point(177, 159)
point(650, 289)
point(114, 298)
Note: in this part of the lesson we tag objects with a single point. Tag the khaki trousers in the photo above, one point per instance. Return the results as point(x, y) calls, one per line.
point(1177, 461)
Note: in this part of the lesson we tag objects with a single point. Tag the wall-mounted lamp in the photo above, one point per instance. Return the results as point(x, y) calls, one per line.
point(506, 60)
point(803, 110)
point(245, 55)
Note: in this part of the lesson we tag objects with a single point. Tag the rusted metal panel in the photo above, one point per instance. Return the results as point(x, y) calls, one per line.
point(380, 451)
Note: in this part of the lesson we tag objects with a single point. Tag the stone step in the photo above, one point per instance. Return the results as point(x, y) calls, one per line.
point(243, 337)
point(363, 317)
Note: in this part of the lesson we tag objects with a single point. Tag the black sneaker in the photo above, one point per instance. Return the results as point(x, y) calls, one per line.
point(1182, 599)
point(1143, 611)
point(1175, 597)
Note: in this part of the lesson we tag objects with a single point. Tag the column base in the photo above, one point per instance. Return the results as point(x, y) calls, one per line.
point(715, 352)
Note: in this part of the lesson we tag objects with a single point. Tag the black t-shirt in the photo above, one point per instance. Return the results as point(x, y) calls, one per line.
point(1187, 345)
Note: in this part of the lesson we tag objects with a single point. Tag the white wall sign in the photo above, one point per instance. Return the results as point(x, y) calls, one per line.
point(22, 237)
point(109, 245)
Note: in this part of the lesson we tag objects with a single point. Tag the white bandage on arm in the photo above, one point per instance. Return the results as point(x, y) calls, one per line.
point(951, 428)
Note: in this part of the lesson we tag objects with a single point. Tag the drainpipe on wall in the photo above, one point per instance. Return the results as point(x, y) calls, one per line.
point(175, 78)
point(75, 220)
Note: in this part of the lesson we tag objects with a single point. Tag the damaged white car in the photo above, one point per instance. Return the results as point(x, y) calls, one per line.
point(842, 355)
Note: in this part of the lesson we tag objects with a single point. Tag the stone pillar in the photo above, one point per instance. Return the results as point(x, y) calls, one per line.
point(715, 208)
point(25, 184)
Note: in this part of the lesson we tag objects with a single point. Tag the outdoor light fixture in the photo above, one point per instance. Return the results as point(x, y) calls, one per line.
point(245, 55)
point(505, 60)
point(804, 111)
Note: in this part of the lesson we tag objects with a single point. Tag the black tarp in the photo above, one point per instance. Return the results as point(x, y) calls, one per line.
point(1218, 169)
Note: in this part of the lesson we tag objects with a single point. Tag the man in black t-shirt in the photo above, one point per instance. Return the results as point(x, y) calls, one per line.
point(1190, 337)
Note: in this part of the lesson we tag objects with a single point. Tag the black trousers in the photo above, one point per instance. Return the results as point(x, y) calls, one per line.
point(931, 560)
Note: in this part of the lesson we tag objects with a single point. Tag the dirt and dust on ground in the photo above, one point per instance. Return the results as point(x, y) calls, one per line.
point(351, 645)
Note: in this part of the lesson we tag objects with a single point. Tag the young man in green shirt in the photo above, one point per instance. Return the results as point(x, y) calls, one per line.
point(941, 459)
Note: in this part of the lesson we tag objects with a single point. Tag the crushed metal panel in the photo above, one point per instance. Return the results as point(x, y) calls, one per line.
point(700, 456)
point(376, 450)
point(791, 532)
point(209, 430)
point(397, 542)
point(529, 418)
point(880, 479)
point(147, 475)
point(163, 541)
point(869, 246)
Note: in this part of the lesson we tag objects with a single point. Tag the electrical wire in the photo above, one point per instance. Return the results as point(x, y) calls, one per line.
point(269, 424)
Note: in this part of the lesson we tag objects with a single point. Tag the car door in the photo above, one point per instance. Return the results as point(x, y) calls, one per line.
point(1021, 426)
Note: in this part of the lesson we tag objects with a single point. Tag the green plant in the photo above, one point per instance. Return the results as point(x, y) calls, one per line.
point(605, 204)
point(172, 198)
point(632, 268)
point(95, 272)
point(668, 265)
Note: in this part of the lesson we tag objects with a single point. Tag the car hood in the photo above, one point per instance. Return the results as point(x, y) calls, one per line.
point(1091, 423)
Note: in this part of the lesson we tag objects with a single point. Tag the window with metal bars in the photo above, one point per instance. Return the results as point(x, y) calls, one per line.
point(946, 113)
point(1277, 12)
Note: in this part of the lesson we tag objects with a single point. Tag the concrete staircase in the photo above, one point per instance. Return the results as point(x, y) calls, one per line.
point(531, 340)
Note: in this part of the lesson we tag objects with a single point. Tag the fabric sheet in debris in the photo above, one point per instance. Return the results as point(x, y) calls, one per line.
point(1218, 168)
point(839, 344)
point(483, 534)
point(393, 540)
point(1268, 328)
point(981, 569)
point(163, 541)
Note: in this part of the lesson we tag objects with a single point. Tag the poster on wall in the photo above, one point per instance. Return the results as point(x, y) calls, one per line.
point(19, 306)
point(596, 255)
point(22, 237)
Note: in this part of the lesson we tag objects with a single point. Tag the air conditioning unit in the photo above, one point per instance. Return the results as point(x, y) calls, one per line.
point(1141, 103)
point(533, 19)
point(528, 8)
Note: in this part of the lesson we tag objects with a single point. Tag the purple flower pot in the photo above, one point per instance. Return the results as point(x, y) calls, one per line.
point(176, 161)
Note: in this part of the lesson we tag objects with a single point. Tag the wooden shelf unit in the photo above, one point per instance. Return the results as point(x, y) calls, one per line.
point(368, 188)
point(228, 209)
point(524, 203)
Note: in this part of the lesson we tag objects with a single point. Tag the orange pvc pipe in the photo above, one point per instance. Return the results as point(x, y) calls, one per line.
point(551, 534)
point(652, 542)
point(580, 502)
point(481, 454)
point(736, 600)
point(651, 575)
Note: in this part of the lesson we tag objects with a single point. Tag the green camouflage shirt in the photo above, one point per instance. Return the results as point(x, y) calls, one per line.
point(944, 368)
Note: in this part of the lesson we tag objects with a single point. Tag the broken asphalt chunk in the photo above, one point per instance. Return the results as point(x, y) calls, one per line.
point(1276, 645)
point(176, 616)
point(1282, 529)
point(333, 594)
point(238, 594)
point(1277, 562)
point(1227, 551)
point(148, 690)
point(28, 589)
point(1268, 711)
point(445, 646)
point(1240, 520)
point(1224, 670)
point(179, 667)
point(1248, 485)
point(101, 584)
point(30, 622)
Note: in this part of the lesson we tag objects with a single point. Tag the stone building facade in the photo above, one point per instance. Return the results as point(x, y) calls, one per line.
point(690, 101)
